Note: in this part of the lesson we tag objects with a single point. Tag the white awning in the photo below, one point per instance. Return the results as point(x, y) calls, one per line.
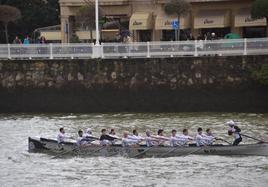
point(212, 19)
point(141, 21)
point(244, 19)
point(164, 22)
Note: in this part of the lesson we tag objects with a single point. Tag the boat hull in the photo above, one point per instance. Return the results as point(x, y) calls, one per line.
point(51, 146)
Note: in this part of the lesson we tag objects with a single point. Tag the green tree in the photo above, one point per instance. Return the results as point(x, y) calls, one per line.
point(85, 17)
point(178, 7)
point(260, 10)
point(8, 14)
point(35, 14)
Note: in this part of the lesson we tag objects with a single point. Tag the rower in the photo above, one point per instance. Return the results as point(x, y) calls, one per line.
point(235, 131)
point(160, 136)
point(174, 140)
point(112, 132)
point(106, 139)
point(201, 139)
point(81, 140)
point(61, 136)
point(210, 137)
point(150, 141)
point(126, 141)
point(184, 139)
point(135, 135)
point(88, 136)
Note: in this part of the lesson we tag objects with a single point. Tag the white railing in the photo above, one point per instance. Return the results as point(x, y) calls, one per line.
point(233, 47)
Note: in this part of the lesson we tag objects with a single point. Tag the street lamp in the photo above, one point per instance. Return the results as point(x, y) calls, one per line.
point(97, 22)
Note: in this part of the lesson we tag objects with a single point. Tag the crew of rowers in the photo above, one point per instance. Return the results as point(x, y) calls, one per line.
point(201, 139)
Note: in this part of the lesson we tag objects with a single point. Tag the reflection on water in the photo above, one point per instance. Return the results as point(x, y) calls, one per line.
point(20, 168)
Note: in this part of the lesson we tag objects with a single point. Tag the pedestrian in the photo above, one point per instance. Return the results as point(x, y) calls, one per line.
point(26, 40)
point(17, 40)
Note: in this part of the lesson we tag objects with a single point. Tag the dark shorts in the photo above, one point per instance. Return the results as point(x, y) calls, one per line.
point(237, 141)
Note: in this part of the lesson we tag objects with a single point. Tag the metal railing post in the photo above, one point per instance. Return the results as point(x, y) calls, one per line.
point(8, 51)
point(195, 48)
point(245, 47)
point(148, 49)
point(50, 51)
point(102, 53)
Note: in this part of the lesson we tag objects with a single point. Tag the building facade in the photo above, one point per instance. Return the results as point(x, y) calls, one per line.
point(146, 20)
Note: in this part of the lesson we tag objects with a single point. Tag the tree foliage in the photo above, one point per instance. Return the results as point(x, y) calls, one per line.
point(179, 7)
point(8, 14)
point(261, 76)
point(35, 14)
point(260, 10)
point(85, 17)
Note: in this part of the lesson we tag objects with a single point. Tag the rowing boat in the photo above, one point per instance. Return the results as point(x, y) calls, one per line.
point(70, 148)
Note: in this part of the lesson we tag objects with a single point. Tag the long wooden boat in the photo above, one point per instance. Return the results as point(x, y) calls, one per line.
point(70, 148)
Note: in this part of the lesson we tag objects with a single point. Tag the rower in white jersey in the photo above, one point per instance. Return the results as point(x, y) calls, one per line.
point(88, 136)
point(161, 138)
point(150, 141)
point(135, 136)
point(184, 139)
point(210, 137)
point(201, 139)
point(81, 141)
point(126, 141)
point(61, 136)
point(235, 131)
point(174, 141)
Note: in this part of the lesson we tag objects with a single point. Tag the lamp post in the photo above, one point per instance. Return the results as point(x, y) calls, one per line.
point(97, 22)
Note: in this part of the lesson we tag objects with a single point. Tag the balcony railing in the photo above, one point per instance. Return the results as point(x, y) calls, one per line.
point(233, 47)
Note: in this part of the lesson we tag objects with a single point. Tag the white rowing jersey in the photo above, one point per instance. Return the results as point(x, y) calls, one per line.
point(81, 141)
point(210, 139)
point(202, 139)
point(184, 139)
point(128, 142)
point(61, 138)
point(134, 137)
point(150, 141)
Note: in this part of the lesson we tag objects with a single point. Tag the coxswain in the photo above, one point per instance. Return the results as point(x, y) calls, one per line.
point(135, 135)
point(88, 136)
point(61, 136)
point(106, 139)
point(184, 138)
point(150, 141)
point(201, 139)
point(235, 131)
point(126, 141)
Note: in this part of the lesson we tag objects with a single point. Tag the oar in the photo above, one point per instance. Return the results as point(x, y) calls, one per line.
point(64, 153)
point(261, 141)
point(224, 141)
point(141, 153)
point(192, 152)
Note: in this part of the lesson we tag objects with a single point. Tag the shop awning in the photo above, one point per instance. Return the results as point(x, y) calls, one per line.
point(51, 35)
point(212, 19)
point(243, 19)
point(141, 21)
point(164, 22)
point(85, 35)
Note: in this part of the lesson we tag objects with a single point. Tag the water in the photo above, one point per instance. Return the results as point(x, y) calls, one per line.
point(20, 168)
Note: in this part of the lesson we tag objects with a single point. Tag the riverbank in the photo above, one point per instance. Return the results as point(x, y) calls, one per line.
point(213, 83)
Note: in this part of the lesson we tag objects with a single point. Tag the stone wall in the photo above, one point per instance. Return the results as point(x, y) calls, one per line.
point(122, 85)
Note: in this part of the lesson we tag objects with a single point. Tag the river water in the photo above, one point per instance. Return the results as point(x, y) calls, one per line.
point(20, 168)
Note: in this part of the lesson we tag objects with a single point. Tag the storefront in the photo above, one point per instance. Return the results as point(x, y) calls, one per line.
point(213, 21)
point(141, 25)
point(164, 24)
point(249, 27)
